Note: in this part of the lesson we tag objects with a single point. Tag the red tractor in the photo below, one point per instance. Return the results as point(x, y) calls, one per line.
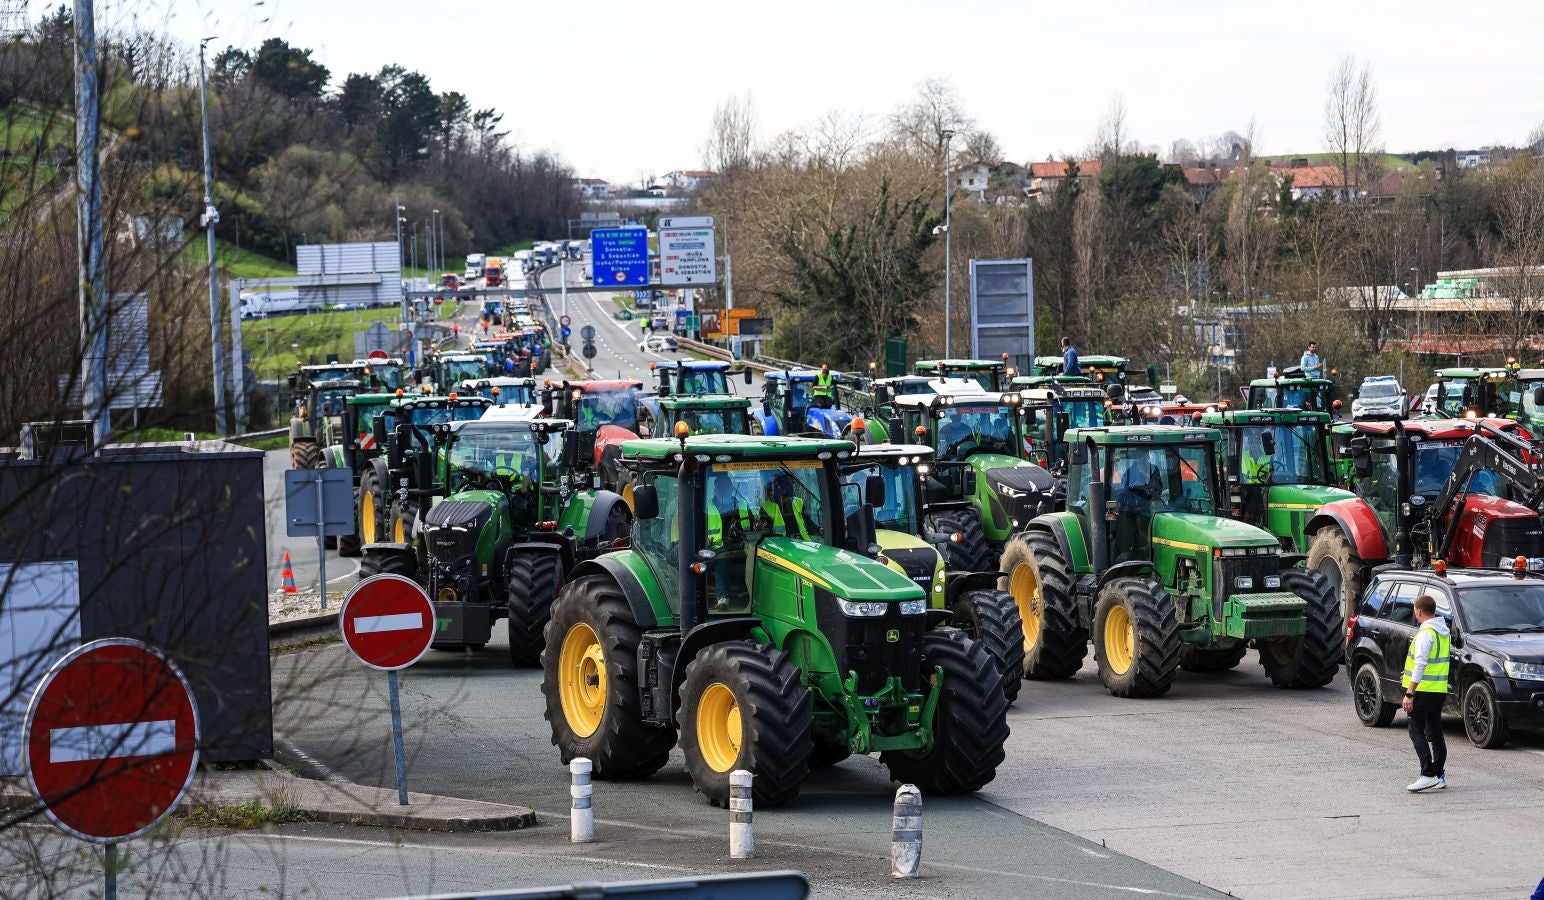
point(605, 413)
point(1427, 489)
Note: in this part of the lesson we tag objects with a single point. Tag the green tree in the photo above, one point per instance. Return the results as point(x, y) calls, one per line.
point(288, 71)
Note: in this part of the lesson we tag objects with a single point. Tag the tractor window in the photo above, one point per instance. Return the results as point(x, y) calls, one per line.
point(366, 414)
point(619, 408)
point(389, 376)
point(1298, 456)
point(493, 459)
point(747, 502)
point(986, 379)
point(656, 539)
point(702, 381)
point(1084, 413)
point(1531, 412)
point(1434, 462)
point(900, 510)
point(433, 415)
point(1381, 487)
point(457, 371)
point(1163, 478)
point(330, 403)
point(966, 430)
point(1458, 395)
point(712, 421)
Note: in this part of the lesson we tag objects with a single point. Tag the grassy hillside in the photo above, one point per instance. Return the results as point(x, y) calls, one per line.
point(232, 260)
point(276, 343)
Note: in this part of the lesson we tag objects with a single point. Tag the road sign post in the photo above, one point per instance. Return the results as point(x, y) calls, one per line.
point(388, 624)
point(319, 502)
point(111, 743)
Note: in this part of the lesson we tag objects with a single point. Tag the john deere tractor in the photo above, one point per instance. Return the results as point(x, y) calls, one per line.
point(1277, 469)
point(992, 375)
point(355, 449)
point(1143, 561)
point(1291, 388)
point(502, 526)
point(1097, 368)
point(985, 613)
point(751, 620)
point(398, 482)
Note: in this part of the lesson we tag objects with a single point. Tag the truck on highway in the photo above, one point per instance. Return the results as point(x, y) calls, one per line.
point(260, 305)
point(493, 272)
point(521, 261)
point(474, 266)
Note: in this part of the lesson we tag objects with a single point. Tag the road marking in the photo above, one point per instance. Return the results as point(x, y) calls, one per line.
point(394, 622)
point(85, 743)
point(404, 845)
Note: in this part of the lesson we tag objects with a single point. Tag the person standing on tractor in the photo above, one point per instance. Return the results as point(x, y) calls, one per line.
point(784, 508)
point(1311, 364)
point(824, 394)
point(1069, 358)
point(1425, 680)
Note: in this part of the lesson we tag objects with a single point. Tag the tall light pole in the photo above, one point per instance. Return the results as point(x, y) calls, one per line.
point(397, 209)
point(948, 135)
point(436, 242)
point(90, 252)
point(209, 219)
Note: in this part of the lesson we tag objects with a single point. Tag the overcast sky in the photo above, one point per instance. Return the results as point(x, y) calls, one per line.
point(625, 88)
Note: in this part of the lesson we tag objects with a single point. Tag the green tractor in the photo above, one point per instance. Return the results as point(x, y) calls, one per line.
point(751, 618)
point(354, 450)
point(399, 479)
point(993, 376)
point(985, 613)
point(1095, 367)
point(1468, 392)
point(1278, 471)
point(1291, 388)
point(982, 485)
point(1142, 560)
point(318, 421)
point(450, 369)
point(502, 525)
point(1056, 407)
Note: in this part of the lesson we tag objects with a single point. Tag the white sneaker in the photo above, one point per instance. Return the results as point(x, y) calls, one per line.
point(1441, 782)
point(1424, 783)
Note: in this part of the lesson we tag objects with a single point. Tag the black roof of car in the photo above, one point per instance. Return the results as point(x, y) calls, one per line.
point(1466, 577)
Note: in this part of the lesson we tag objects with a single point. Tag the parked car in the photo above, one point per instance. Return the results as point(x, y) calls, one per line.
point(658, 343)
point(1381, 396)
point(1496, 681)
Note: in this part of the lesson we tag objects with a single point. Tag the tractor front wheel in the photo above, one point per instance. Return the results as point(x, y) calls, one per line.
point(590, 680)
point(1330, 554)
point(970, 724)
point(970, 553)
point(531, 584)
point(743, 706)
point(1055, 641)
point(991, 618)
point(388, 562)
point(305, 454)
point(1311, 659)
point(1136, 638)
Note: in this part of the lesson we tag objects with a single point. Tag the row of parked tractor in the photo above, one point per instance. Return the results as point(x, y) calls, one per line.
point(858, 564)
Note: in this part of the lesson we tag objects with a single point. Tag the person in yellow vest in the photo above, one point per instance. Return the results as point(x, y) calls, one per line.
point(1425, 680)
point(784, 508)
point(728, 520)
point(824, 394)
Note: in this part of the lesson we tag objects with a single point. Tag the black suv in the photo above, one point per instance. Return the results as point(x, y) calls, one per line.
point(1497, 620)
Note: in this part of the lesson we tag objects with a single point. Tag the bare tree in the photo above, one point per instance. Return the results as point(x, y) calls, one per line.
point(1520, 221)
point(981, 147)
point(731, 140)
point(1352, 122)
point(920, 125)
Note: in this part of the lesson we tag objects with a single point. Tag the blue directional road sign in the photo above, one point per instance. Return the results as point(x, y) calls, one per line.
point(620, 257)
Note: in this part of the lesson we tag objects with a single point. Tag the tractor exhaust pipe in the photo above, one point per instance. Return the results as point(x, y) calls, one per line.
point(691, 585)
point(1403, 454)
point(1098, 527)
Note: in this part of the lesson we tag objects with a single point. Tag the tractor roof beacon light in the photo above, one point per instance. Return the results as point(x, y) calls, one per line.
point(1520, 567)
point(1439, 566)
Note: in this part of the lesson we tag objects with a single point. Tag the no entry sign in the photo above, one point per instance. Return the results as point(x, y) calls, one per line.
point(387, 621)
point(112, 739)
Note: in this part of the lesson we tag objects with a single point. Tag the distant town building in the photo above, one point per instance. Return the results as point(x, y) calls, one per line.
point(688, 179)
point(592, 188)
point(1045, 178)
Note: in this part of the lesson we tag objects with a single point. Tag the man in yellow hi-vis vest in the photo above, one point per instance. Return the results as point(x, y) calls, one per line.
point(1425, 680)
point(824, 394)
point(727, 522)
point(784, 508)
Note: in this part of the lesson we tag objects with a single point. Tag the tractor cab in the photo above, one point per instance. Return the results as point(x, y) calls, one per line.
point(317, 422)
point(450, 369)
point(381, 372)
point(1278, 469)
point(1530, 400)
point(1054, 408)
point(1469, 393)
point(873, 403)
point(694, 377)
point(789, 407)
point(1291, 388)
point(1094, 367)
point(702, 414)
point(991, 375)
point(504, 391)
point(605, 414)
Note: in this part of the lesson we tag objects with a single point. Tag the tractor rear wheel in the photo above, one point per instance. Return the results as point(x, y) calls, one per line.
point(350, 544)
point(1330, 554)
point(970, 553)
point(991, 618)
point(590, 680)
point(531, 583)
point(1311, 659)
point(743, 706)
point(970, 724)
point(1136, 637)
point(366, 509)
point(305, 454)
point(388, 562)
point(1193, 658)
point(1055, 642)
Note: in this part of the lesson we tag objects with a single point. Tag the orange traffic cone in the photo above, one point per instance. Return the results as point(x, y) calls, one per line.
point(288, 584)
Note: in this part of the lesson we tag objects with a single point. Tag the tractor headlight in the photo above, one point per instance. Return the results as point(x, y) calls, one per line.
point(1523, 671)
point(1010, 493)
point(913, 607)
point(1244, 582)
point(1233, 551)
point(862, 609)
point(1273, 581)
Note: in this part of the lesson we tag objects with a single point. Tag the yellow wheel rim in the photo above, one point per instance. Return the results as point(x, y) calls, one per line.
point(718, 727)
point(1024, 585)
point(627, 494)
point(367, 518)
point(1120, 640)
point(398, 531)
point(582, 680)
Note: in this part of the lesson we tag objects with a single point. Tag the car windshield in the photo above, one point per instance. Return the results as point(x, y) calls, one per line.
point(484, 457)
point(702, 381)
point(1499, 608)
point(899, 512)
point(1434, 462)
point(776, 498)
point(1166, 478)
point(1296, 457)
point(1379, 390)
point(976, 428)
point(619, 408)
point(433, 415)
point(1084, 413)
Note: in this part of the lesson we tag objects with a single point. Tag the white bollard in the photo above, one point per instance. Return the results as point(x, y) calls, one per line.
point(581, 823)
point(906, 832)
point(742, 843)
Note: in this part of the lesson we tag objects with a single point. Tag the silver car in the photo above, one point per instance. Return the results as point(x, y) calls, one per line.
point(1380, 395)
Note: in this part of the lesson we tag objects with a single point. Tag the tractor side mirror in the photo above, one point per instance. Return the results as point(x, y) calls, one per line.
point(1538, 396)
point(750, 374)
point(893, 428)
point(860, 529)
point(571, 449)
point(378, 431)
point(546, 403)
point(1063, 421)
point(968, 481)
point(874, 490)
point(395, 447)
point(1077, 454)
point(1152, 373)
point(766, 406)
point(645, 502)
point(1268, 443)
point(881, 394)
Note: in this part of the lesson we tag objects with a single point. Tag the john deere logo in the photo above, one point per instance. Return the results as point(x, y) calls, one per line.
point(893, 635)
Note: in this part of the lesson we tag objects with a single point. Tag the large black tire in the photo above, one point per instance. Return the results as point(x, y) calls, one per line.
point(969, 727)
point(367, 509)
point(744, 706)
point(350, 544)
point(1193, 658)
point(991, 618)
point(1312, 660)
point(1367, 698)
point(1330, 554)
point(388, 562)
point(305, 454)
point(1483, 721)
point(1037, 578)
point(1136, 637)
point(616, 738)
point(531, 583)
point(970, 553)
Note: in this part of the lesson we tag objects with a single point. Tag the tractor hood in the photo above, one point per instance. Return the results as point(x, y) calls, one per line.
point(846, 574)
point(911, 556)
point(986, 462)
point(468, 509)
point(1204, 532)
point(1305, 497)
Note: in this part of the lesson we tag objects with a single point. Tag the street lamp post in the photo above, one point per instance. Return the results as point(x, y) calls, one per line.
point(948, 135)
point(209, 219)
point(397, 209)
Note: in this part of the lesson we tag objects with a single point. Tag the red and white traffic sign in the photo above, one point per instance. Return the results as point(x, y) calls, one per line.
point(112, 739)
point(387, 621)
point(378, 354)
